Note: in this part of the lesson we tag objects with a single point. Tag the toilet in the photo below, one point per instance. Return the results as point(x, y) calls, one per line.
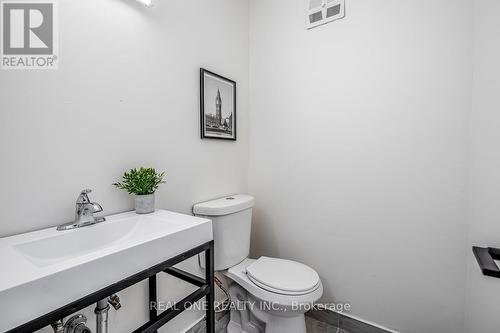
point(269, 295)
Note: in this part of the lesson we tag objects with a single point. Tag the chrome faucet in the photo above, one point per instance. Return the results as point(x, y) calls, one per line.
point(84, 213)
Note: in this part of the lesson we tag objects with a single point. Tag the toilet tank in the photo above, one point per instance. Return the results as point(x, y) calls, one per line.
point(231, 223)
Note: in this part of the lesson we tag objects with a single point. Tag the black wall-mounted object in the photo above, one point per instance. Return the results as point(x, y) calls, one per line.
point(486, 257)
point(156, 320)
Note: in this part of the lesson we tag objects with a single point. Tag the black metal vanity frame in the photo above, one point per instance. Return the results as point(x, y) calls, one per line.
point(156, 320)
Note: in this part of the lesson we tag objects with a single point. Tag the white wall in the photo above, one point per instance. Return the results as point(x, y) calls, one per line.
point(126, 94)
point(357, 153)
point(483, 301)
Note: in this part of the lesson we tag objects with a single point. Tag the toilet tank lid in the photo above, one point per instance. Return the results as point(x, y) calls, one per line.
point(224, 206)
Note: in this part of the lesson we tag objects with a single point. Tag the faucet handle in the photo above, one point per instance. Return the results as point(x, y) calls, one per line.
point(83, 198)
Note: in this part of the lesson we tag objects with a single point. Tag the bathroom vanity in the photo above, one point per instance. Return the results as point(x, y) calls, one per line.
point(49, 274)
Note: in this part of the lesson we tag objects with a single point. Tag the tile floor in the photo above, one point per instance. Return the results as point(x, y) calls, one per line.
point(316, 326)
point(312, 325)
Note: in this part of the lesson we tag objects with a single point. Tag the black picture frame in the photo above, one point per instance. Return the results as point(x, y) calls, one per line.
point(218, 126)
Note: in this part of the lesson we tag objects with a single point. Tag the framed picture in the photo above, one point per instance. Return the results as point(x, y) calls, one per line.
point(218, 106)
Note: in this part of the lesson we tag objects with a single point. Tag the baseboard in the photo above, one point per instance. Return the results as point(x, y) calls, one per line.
point(347, 322)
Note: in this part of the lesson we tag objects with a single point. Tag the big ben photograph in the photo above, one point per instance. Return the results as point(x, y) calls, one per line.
point(218, 106)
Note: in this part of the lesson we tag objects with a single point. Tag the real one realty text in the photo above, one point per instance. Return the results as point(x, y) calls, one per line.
point(245, 305)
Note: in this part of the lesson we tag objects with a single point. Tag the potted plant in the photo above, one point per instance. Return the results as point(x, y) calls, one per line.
point(142, 183)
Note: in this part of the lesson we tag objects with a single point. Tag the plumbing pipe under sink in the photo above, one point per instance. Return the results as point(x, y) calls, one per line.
point(75, 324)
point(102, 312)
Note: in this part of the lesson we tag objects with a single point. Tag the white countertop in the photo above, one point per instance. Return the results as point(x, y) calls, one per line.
point(47, 269)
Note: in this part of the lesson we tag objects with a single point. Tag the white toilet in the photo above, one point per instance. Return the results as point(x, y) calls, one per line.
point(270, 295)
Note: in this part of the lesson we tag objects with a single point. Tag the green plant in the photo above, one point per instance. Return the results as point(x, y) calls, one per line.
point(141, 181)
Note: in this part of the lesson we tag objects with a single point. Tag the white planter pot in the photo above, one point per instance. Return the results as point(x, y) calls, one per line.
point(145, 204)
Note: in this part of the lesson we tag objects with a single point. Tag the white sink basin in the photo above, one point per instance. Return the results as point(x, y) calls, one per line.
point(65, 245)
point(48, 269)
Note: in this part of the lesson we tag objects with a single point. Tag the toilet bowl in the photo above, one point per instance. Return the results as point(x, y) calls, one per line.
point(275, 294)
point(269, 295)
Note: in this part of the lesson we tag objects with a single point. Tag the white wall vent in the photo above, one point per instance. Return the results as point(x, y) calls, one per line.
point(323, 11)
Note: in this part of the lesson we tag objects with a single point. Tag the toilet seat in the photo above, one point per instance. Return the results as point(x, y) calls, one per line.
point(238, 274)
point(282, 276)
